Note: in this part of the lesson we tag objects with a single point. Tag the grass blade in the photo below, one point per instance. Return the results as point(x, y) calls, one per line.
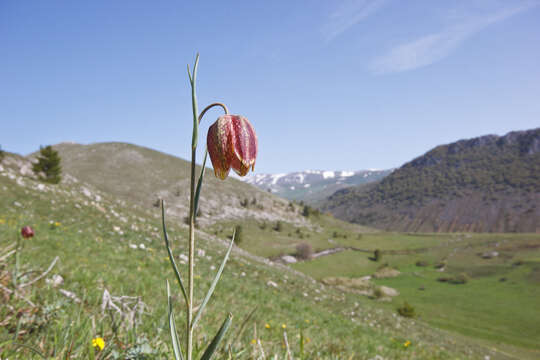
point(199, 183)
point(172, 326)
point(217, 339)
point(16, 344)
point(242, 327)
point(214, 283)
point(171, 257)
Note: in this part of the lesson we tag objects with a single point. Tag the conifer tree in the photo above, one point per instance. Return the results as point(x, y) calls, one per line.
point(1, 154)
point(48, 166)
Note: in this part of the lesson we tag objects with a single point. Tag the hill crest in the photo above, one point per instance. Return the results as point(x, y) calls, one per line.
point(484, 184)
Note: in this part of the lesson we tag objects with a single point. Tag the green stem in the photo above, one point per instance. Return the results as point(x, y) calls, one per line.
point(191, 249)
point(211, 106)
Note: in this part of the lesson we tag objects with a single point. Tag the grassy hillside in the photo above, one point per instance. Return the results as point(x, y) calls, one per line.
point(107, 243)
point(142, 176)
point(486, 184)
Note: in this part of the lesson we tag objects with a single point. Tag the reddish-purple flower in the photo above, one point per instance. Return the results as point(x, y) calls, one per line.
point(232, 143)
point(27, 232)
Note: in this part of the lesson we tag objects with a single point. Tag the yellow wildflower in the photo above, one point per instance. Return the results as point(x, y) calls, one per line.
point(283, 326)
point(267, 325)
point(2, 221)
point(406, 343)
point(57, 224)
point(98, 343)
point(307, 321)
point(253, 341)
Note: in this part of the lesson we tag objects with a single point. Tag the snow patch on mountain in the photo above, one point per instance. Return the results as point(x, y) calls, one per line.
point(328, 174)
point(276, 177)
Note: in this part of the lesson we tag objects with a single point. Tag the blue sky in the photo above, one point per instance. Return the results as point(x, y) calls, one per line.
point(327, 84)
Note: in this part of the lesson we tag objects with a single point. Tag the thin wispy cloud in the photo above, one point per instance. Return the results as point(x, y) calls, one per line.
point(348, 14)
point(434, 47)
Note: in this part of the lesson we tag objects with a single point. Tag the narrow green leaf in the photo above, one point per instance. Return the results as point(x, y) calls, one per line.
point(16, 344)
point(171, 257)
point(214, 283)
point(91, 351)
point(217, 339)
point(172, 327)
point(189, 74)
point(194, 105)
point(242, 327)
point(199, 183)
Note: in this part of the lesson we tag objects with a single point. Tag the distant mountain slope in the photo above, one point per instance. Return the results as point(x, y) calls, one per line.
point(490, 183)
point(312, 186)
point(142, 176)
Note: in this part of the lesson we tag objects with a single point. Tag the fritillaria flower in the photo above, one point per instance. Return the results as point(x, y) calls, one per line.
point(232, 143)
point(27, 232)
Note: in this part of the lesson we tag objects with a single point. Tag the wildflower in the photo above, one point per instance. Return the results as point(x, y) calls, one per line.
point(232, 143)
point(267, 326)
point(253, 341)
point(2, 221)
point(307, 321)
point(283, 326)
point(27, 232)
point(57, 224)
point(98, 343)
point(406, 344)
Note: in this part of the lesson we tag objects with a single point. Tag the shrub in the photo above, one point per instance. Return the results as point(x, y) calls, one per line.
point(440, 265)
point(238, 237)
point(459, 279)
point(263, 225)
point(278, 226)
point(406, 310)
point(244, 203)
point(2, 153)
point(421, 263)
point(48, 166)
point(377, 256)
point(378, 293)
point(304, 251)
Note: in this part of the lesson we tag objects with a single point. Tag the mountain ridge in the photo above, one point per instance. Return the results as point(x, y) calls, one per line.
point(312, 186)
point(485, 184)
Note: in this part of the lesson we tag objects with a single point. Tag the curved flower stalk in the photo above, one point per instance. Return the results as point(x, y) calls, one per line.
point(232, 143)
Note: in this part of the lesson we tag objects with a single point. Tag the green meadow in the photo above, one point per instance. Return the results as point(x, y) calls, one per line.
point(104, 243)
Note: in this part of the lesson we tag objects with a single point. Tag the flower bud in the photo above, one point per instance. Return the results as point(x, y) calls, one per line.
point(27, 232)
point(232, 143)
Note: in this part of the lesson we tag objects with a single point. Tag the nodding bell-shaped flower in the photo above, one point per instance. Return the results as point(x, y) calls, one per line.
point(27, 232)
point(232, 143)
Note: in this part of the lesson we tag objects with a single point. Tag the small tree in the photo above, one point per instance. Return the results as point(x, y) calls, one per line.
point(2, 153)
point(48, 166)
point(278, 226)
point(238, 236)
point(306, 211)
point(377, 255)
